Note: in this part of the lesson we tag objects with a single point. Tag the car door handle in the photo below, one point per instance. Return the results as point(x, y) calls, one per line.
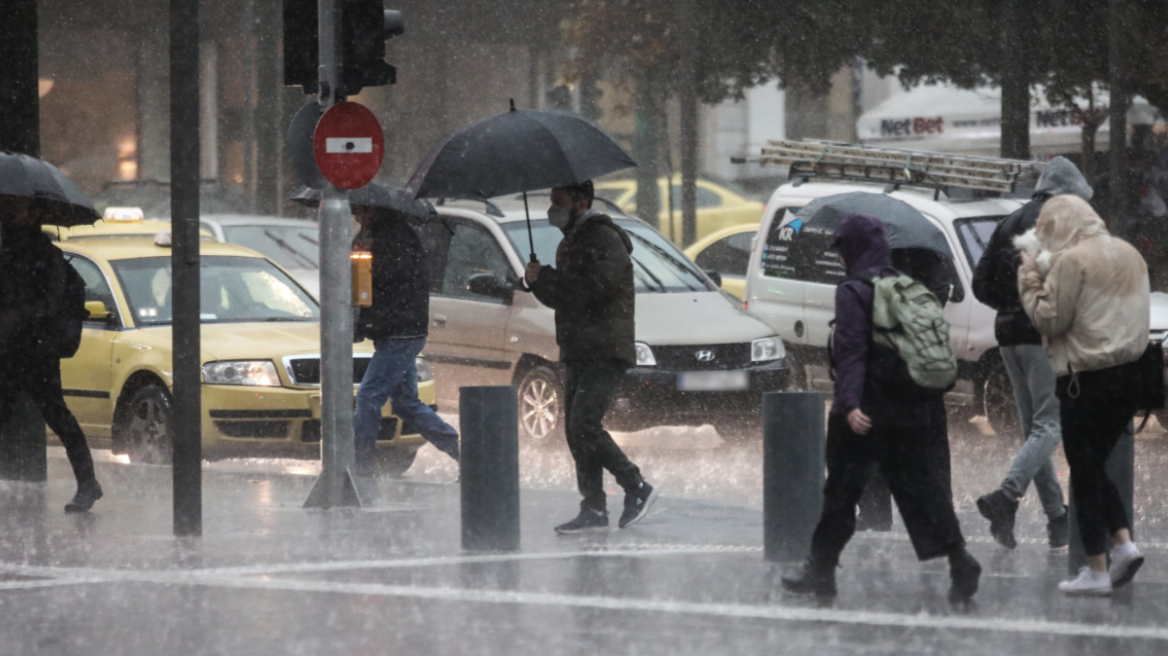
point(439, 320)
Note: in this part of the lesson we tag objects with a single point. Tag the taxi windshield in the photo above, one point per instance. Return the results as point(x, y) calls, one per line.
point(233, 290)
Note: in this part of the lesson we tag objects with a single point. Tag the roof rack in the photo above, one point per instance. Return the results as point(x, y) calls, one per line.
point(806, 159)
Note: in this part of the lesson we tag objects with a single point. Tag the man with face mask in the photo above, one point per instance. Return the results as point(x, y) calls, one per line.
point(591, 289)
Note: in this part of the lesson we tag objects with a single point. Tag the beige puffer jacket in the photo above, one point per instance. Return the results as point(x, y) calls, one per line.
point(1087, 292)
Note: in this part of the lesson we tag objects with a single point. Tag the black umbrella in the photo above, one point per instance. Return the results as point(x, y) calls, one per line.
point(517, 151)
point(62, 202)
point(376, 195)
point(904, 225)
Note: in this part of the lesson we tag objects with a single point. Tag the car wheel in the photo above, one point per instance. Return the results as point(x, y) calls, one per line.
point(395, 462)
point(145, 426)
point(541, 407)
point(1000, 409)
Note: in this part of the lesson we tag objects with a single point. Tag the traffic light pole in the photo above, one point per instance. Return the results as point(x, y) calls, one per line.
point(336, 485)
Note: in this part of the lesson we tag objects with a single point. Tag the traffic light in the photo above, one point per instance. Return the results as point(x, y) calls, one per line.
point(365, 27)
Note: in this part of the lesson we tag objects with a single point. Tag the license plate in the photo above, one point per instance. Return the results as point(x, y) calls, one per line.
point(713, 381)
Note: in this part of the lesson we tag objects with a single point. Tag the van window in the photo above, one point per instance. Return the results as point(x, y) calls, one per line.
point(800, 253)
point(975, 235)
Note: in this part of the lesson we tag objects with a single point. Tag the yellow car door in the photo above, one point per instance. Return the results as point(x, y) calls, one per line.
point(86, 377)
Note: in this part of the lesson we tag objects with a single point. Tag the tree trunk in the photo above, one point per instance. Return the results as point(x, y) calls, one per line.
point(19, 83)
point(1015, 83)
point(1117, 186)
point(689, 126)
point(646, 147)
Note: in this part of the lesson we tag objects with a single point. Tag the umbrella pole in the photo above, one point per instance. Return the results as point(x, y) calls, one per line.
point(530, 239)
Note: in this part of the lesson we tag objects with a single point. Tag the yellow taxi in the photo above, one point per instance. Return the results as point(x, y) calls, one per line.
point(727, 253)
point(260, 356)
point(717, 206)
point(116, 222)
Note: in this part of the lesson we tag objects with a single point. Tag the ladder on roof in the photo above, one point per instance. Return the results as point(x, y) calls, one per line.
point(807, 159)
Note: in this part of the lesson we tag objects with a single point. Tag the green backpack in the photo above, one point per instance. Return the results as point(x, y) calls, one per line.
point(908, 319)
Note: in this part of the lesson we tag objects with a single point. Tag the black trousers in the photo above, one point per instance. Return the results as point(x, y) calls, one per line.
point(1095, 408)
point(588, 391)
point(905, 459)
point(876, 503)
point(40, 378)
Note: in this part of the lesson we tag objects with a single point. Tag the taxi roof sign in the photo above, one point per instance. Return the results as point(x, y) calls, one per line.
point(123, 214)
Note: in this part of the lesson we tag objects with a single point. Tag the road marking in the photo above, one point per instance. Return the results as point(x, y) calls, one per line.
point(44, 583)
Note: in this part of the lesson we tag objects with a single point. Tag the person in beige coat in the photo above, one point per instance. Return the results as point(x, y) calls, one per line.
point(1087, 294)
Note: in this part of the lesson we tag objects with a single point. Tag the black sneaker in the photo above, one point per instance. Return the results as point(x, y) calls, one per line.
point(1000, 510)
point(637, 504)
point(587, 521)
point(965, 573)
point(1058, 531)
point(87, 493)
point(812, 578)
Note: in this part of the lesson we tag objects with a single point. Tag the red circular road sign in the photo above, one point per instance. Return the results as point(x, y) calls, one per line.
point(348, 145)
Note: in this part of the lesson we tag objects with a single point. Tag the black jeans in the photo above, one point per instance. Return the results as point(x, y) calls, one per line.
point(1095, 408)
point(40, 378)
point(588, 391)
point(904, 457)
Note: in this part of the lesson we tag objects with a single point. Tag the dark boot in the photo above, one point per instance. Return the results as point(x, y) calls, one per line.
point(88, 491)
point(816, 576)
point(1058, 531)
point(965, 572)
point(1000, 510)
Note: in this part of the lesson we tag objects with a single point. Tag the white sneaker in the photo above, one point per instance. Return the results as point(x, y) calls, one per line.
point(1126, 560)
point(1088, 583)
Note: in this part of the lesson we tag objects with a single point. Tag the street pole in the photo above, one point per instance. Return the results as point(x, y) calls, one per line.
point(1117, 187)
point(186, 419)
point(22, 437)
point(689, 126)
point(336, 485)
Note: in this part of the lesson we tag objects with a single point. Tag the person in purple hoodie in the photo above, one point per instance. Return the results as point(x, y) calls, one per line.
point(872, 427)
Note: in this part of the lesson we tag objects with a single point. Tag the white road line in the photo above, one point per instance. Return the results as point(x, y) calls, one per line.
point(786, 614)
point(43, 583)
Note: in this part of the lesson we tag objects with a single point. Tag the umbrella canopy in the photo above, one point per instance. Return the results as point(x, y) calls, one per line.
point(905, 226)
point(376, 195)
point(62, 202)
point(517, 151)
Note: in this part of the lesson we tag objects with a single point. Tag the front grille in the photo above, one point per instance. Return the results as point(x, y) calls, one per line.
point(268, 430)
point(685, 358)
point(306, 371)
point(310, 431)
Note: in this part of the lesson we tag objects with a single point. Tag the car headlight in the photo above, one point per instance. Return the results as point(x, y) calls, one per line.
point(645, 355)
point(423, 368)
point(259, 373)
point(766, 349)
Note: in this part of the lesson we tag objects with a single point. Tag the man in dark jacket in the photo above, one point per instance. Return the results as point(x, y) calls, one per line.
point(995, 283)
point(872, 427)
point(397, 322)
point(591, 289)
point(32, 304)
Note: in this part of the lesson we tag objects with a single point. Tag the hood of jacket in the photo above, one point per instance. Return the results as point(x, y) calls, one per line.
point(1065, 221)
point(861, 243)
point(1061, 176)
point(575, 226)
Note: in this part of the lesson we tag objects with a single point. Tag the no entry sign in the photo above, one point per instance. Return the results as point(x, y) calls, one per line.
point(348, 145)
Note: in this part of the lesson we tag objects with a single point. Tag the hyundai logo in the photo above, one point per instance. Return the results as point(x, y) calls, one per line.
point(704, 355)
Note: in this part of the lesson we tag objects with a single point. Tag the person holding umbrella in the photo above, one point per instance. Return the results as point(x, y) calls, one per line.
point(591, 289)
point(35, 306)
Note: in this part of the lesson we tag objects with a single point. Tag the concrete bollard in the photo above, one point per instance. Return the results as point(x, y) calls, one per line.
point(1121, 470)
point(794, 469)
point(489, 468)
point(22, 444)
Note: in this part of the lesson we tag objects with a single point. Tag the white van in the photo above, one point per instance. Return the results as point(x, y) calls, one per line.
point(791, 281)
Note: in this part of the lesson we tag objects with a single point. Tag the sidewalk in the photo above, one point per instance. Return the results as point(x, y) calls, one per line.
point(269, 577)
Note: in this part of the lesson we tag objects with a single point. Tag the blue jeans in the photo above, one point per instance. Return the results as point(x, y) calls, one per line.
point(393, 376)
point(1033, 380)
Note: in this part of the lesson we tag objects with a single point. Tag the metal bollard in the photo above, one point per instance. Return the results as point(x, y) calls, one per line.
point(794, 465)
point(22, 444)
point(489, 468)
point(1121, 470)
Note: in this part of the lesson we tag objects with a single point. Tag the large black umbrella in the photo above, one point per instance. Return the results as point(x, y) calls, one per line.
point(62, 202)
point(904, 225)
point(517, 151)
point(376, 195)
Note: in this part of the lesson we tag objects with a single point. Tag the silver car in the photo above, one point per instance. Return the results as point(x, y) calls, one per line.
point(294, 244)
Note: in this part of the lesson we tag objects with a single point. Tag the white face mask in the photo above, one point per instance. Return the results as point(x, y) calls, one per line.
point(559, 216)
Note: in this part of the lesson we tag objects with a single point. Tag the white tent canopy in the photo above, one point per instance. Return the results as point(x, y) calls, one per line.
point(944, 118)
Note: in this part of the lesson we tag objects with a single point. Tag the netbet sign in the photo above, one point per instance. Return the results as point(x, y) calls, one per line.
point(912, 127)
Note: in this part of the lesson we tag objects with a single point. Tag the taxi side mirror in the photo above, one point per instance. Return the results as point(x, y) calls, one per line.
point(97, 311)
